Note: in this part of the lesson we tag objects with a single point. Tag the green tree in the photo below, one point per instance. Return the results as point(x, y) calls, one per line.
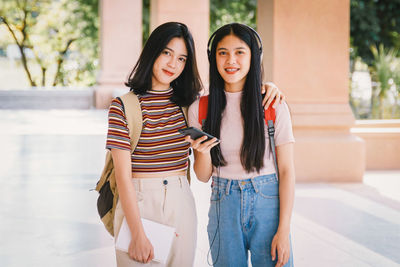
point(383, 71)
point(62, 36)
point(18, 17)
point(228, 11)
point(145, 21)
point(221, 13)
point(374, 22)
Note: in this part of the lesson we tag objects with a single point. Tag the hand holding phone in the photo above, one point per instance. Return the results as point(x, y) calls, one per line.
point(195, 133)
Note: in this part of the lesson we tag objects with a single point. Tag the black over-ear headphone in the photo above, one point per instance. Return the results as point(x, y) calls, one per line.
point(230, 24)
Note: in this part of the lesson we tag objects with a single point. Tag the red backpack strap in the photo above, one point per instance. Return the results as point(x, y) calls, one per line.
point(269, 116)
point(269, 113)
point(203, 108)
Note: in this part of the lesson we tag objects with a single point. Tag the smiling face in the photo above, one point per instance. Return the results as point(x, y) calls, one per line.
point(169, 64)
point(233, 57)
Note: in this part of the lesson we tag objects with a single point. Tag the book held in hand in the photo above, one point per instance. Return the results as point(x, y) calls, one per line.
point(159, 235)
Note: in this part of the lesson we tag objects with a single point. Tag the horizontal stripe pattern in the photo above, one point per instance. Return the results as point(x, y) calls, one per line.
point(118, 132)
point(161, 147)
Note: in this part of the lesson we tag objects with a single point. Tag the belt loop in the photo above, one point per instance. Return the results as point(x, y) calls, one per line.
point(254, 184)
point(180, 181)
point(140, 185)
point(228, 187)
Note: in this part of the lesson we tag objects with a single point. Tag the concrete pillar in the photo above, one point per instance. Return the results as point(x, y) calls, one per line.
point(193, 13)
point(306, 53)
point(121, 44)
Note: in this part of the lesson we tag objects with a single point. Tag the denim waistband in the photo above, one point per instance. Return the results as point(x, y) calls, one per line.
point(251, 183)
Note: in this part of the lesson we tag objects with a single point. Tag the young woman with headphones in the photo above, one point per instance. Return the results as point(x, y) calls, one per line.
point(250, 207)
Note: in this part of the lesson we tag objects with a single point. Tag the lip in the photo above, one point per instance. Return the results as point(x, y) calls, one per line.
point(231, 70)
point(168, 72)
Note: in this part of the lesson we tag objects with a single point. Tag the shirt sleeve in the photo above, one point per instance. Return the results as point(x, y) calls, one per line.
point(283, 125)
point(118, 132)
point(193, 115)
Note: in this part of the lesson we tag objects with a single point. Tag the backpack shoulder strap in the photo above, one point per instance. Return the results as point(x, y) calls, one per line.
point(133, 114)
point(185, 115)
point(270, 116)
point(269, 113)
point(203, 108)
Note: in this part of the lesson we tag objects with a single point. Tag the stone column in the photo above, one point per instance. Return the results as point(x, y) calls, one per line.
point(121, 43)
point(306, 53)
point(195, 14)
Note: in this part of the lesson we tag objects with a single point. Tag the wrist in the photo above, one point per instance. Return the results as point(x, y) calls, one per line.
point(138, 234)
point(283, 229)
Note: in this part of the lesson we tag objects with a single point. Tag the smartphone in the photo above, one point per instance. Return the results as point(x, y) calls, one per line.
point(195, 133)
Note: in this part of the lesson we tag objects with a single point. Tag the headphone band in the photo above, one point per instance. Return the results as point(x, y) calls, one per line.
point(211, 39)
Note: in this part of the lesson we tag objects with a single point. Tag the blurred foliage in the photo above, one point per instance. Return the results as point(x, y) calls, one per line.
point(374, 22)
point(385, 72)
point(375, 41)
point(58, 40)
point(228, 11)
point(221, 13)
point(145, 20)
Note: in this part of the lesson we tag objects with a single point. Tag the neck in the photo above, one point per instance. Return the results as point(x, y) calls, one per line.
point(157, 86)
point(160, 87)
point(234, 87)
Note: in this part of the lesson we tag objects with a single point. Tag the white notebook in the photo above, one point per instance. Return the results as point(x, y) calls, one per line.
point(160, 237)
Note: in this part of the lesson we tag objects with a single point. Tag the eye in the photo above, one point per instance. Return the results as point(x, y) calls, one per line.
point(241, 52)
point(182, 59)
point(222, 53)
point(166, 52)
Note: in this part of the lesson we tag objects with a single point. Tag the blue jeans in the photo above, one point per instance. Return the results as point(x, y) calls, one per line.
point(244, 216)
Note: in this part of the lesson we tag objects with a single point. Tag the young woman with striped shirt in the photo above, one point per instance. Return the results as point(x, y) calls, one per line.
point(152, 180)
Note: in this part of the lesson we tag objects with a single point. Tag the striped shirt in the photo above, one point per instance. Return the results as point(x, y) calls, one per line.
point(161, 147)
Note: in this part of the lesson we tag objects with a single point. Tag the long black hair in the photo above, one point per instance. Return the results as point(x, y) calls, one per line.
point(188, 85)
point(253, 143)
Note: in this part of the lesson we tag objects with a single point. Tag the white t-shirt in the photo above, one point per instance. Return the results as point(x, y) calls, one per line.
point(232, 135)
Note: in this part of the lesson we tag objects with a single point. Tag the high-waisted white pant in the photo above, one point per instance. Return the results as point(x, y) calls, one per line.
point(168, 201)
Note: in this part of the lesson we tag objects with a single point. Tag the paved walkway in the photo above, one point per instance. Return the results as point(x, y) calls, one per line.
point(51, 159)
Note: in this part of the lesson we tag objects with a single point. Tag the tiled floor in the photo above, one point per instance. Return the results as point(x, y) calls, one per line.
point(51, 159)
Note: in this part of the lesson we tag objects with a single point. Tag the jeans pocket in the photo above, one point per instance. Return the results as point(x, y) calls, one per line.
point(217, 195)
point(269, 189)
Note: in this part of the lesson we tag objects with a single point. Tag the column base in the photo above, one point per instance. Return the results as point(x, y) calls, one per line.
point(330, 157)
point(325, 149)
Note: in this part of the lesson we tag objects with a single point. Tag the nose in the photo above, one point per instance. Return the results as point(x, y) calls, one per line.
point(172, 62)
point(231, 59)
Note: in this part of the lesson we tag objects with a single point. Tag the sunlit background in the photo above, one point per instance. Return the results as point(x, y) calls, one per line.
point(52, 139)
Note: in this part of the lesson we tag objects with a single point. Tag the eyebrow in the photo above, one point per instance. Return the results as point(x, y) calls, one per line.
point(183, 55)
point(223, 48)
